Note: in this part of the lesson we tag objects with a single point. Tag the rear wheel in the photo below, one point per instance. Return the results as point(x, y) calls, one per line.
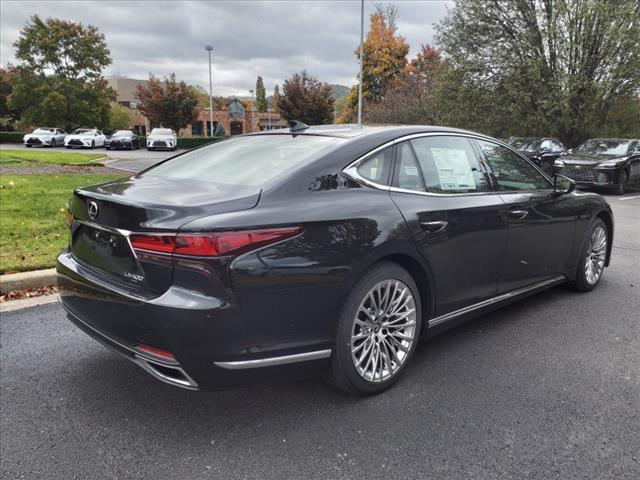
point(593, 257)
point(377, 332)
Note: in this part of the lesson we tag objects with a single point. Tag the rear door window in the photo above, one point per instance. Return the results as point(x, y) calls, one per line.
point(376, 168)
point(408, 176)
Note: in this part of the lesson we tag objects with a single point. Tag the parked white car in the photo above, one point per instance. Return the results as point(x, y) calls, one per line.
point(162, 138)
point(85, 138)
point(44, 137)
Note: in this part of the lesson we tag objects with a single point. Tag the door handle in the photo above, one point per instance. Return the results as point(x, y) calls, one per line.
point(518, 214)
point(434, 227)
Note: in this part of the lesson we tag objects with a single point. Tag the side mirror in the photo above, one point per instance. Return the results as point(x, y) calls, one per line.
point(563, 185)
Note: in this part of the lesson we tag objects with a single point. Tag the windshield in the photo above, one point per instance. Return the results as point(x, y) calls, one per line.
point(80, 131)
point(122, 133)
point(161, 131)
point(44, 130)
point(250, 161)
point(603, 147)
point(527, 144)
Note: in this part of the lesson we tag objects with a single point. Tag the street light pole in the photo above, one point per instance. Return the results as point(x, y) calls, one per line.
point(209, 48)
point(361, 56)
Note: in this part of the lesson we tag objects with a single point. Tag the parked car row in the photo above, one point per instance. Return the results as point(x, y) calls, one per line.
point(158, 139)
point(611, 163)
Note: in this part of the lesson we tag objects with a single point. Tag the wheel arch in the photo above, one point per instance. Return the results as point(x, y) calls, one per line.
point(607, 217)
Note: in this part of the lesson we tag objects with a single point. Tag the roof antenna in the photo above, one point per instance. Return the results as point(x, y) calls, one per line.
point(297, 126)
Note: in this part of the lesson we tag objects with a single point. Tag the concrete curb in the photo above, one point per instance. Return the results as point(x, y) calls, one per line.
point(25, 280)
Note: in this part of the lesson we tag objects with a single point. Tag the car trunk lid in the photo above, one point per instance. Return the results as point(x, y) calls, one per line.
point(106, 214)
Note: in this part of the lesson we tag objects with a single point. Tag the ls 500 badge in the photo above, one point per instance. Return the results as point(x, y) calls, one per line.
point(134, 277)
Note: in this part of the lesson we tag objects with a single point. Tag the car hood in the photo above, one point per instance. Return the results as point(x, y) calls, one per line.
point(39, 135)
point(591, 160)
point(160, 137)
point(80, 135)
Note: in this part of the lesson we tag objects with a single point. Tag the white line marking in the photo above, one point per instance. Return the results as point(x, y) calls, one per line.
point(628, 198)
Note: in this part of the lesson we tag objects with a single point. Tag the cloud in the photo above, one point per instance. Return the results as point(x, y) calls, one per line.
point(270, 38)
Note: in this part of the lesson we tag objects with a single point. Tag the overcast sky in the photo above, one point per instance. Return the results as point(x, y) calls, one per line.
point(271, 38)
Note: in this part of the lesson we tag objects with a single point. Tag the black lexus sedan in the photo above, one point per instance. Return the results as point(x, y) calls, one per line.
point(542, 151)
point(611, 163)
point(125, 139)
point(322, 250)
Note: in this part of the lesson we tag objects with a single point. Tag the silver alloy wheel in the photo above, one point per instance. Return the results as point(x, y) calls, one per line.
point(596, 254)
point(383, 330)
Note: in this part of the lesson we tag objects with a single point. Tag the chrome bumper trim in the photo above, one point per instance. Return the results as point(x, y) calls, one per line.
point(500, 298)
point(143, 361)
point(275, 361)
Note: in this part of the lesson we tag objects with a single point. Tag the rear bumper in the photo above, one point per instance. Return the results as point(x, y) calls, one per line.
point(207, 336)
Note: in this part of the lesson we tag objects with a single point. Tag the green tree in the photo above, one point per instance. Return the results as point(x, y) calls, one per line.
point(306, 99)
point(261, 96)
point(168, 102)
point(540, 67)
point(58, 80)
point(120, 118)
point(276, 99)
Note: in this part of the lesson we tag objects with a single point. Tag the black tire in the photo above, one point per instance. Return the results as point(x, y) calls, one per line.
point(53, 143)
point(621, 186)
point(67, 146)
point(344, 373)
point(27, 145)
point(149, 149)
point(581, 282)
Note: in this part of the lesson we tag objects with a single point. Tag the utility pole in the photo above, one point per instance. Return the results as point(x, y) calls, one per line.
point(361, 57)
point(209, 48)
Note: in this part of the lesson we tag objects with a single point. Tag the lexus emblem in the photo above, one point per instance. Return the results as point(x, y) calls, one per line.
point(93, 210)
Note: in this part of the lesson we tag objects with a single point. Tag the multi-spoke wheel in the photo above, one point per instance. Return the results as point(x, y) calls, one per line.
point(378, 330)
point(594, 256)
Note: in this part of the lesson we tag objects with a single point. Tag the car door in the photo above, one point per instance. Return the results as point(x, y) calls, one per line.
point(100, 139)
point(634, 161)
point(444, 193)
point(541, 224)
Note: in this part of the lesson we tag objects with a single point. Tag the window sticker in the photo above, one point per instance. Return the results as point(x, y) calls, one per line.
point(411, 171)
point(453, 169)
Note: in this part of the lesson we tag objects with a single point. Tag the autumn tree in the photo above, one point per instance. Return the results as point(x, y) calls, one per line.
point(539, 67)
point(276, 99)
point(58, 80)
point(261, 96)
point(8, 115)
point(383, 63)
point(307, 99)
point(412, 99)
point(168, 102)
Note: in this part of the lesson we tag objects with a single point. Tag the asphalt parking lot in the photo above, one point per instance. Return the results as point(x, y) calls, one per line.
point(546, 388)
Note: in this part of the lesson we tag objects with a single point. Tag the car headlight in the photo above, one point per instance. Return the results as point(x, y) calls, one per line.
point(609, 164)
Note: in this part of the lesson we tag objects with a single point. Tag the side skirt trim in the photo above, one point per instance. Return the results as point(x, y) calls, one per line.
point(500, 298)
point(274, 361)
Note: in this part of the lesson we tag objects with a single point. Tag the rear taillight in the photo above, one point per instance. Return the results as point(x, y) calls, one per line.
point(211, 244)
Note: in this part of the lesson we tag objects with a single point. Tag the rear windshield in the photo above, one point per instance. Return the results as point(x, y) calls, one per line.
point(251, 160)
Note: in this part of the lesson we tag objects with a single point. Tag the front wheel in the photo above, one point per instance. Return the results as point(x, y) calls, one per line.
point(593, 258)
point(377, 332)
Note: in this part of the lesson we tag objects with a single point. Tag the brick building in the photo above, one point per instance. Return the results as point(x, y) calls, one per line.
point(234, 117)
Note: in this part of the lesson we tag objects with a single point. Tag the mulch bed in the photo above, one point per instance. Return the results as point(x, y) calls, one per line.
point(28, 293)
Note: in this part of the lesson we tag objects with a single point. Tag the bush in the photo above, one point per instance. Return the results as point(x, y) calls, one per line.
point(11, 137)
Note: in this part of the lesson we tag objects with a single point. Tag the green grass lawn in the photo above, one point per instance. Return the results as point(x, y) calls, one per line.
point(21, 157)
point(32, 212)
